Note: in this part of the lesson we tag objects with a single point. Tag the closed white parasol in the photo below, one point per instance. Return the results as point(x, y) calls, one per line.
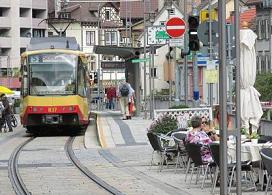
point(251, 110)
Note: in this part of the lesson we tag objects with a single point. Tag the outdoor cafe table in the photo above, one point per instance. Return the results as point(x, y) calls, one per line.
point(249, 151)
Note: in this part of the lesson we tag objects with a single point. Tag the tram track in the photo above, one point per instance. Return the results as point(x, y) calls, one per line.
point(13, 171)
point(71, 155)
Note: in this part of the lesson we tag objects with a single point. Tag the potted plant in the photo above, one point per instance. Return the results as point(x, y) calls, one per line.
point(254, 137)
point(243, 133)
point(163, 124)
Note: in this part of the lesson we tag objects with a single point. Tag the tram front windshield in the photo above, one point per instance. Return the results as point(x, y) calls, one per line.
point(52, 74)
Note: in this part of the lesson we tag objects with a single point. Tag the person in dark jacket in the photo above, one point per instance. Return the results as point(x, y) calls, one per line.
point(7, 111)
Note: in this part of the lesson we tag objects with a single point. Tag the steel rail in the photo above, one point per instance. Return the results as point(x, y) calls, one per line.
point(71, 155)
point(13, 171)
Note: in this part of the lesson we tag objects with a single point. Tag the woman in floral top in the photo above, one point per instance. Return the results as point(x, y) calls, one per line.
point(198, 136)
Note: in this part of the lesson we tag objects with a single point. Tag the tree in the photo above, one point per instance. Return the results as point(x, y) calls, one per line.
point(263, 85)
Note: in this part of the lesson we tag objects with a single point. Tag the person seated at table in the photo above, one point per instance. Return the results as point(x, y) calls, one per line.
point(216, 120)
point(198, 136)
point(206, 126)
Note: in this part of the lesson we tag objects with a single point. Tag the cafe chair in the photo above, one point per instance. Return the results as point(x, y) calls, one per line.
point(182, 157)
point(194, 153)
point(163, 151)
point(245, 167)
point(266, 155)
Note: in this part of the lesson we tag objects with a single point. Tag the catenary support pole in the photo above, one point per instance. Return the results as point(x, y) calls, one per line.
point(210, 85)
point(145, 111)
point(223, 97)
point(237, 92)
point(185, 59)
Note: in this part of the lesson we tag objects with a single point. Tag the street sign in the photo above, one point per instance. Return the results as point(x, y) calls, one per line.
point(152, 31)
point(211, 76)
point(176, 42)
point(175, 27)
point(205, 15)
point(140, 60)
point(161, 35)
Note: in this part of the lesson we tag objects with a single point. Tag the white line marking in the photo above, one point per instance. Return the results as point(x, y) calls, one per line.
point(175, 27)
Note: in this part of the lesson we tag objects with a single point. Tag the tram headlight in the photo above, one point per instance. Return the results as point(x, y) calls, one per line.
point(34, 109)
point(71, 108)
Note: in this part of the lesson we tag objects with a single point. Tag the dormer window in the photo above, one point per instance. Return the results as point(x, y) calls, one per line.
point(107, 15)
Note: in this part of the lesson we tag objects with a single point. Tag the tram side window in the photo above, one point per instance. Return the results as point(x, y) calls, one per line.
point(24, 84)
point(81, 82)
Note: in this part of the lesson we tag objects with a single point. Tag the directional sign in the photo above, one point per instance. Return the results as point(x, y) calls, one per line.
point(154, 33)
point(161, 35)
point(140, 60)
point(175, 27)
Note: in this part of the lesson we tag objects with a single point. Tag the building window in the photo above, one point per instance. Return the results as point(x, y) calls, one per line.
point(90, 37)
point(107, 15)
point(38, 33)
point(111, 37)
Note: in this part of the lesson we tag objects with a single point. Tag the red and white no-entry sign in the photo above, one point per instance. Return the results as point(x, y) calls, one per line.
point(175, 27)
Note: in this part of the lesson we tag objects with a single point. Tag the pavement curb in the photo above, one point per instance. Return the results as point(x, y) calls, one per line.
point(100, 132)
point(90, 137)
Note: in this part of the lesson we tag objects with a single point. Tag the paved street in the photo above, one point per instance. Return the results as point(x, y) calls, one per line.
point(122, 163)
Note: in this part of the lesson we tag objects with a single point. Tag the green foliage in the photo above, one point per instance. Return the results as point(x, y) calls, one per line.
point(263, 85)
point(243, 131)
point(178, 106)
point(254, 135)
point(163, 124)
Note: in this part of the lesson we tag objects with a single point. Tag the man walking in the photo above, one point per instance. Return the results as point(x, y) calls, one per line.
point(123, 91)
point(6, 112)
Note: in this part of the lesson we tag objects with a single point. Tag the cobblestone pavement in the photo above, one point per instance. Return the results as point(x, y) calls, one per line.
point(130, 151)
point(123, 163)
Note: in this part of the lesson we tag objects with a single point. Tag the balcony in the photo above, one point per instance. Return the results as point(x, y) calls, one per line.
point(5, 3)
point(26, 3)
point(5, 22)
point(39, 4)
point(5, 42)
point(24, 41)
point(36, 21)
point(4, 61)
point(25, 22)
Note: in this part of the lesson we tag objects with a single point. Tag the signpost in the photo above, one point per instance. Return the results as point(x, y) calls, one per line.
point(156, 35)
point(161, 35)
point(140, 60)
point(175, 27)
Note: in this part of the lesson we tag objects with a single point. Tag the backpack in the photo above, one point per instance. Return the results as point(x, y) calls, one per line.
point(124, 90)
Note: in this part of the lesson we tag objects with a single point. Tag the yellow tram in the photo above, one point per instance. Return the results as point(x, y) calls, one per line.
point(54, 84)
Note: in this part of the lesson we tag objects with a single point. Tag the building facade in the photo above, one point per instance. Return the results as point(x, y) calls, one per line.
point(19, 21)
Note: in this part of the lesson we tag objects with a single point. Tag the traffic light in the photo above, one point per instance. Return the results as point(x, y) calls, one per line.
point(95, 77)
point(193, 22)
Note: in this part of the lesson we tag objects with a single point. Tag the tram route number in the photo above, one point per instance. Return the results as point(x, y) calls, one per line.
point(52, 109)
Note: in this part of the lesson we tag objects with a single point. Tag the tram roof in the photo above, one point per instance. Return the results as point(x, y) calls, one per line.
point(53, 43)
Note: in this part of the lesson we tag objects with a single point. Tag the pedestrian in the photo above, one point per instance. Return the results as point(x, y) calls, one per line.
point(6, 112)
point(111, 95)
point(124, 91)
point(131, 106)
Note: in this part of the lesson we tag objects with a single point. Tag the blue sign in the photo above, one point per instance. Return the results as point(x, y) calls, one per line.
point(203, 58)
